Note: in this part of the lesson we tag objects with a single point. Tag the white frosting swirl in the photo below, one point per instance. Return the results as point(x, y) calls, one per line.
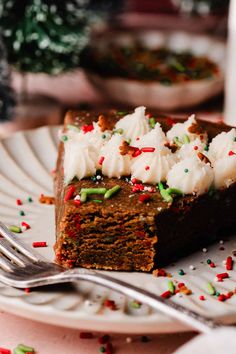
point(222, 144)
point(152, 167)
point(114, 164)
point(156, 138)
point(80, 159)
point(225, 171)
point(134, 125)
point(179, 130)
point(191, 175)
point(191, 149)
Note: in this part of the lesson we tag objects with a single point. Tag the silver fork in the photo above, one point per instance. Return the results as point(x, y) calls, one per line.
point(21, 267)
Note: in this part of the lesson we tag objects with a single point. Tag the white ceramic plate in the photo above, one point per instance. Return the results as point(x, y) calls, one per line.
point(154, 94)
point(26, 160)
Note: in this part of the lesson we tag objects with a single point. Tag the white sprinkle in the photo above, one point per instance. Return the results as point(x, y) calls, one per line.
point(192, 267)
point(77, 197)
point(221, 242)
point(99, 177)
point(159, 208)
point(129, 340)
point(204, 250)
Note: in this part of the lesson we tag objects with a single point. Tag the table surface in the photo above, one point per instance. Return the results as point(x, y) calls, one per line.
point(47, 339)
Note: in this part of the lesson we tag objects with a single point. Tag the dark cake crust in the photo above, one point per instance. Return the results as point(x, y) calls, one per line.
point(122, 233)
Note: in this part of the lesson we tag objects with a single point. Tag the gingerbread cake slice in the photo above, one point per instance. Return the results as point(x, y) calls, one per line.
point(134, 191)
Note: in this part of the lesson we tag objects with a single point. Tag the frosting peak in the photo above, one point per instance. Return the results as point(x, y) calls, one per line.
point(156, 137)
point(114, 164)
point(152, 167)
point(134, 125)
point(191, 175)
point(187, 129)
point(222, 144)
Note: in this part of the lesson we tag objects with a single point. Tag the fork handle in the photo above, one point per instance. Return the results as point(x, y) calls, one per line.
point(170, 308)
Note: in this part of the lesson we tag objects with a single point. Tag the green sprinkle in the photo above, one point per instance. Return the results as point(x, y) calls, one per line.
point(152, 122)
point(15, 229)
point(165, 195)
point(21, 213)
point(83, 197)
point(174, 191)
point(171, 286)
point(121, 113)
point(135, 304)
point(177, 142)
point(186, 170)
point(25, 348)
point(112, 191)
point(209, 261)
point(186, 139)
point(96, 200)
point(94, 178)
point(29, 199)
point(119, 131)
point(206, 148)
point(93, 190)
point(181, 272)
point(18, 351)
point(102, 349)
point(64, 138)
point(73, 127)
point(235, 139)
point(211, 289)
point(217, 293)
point(104, 136)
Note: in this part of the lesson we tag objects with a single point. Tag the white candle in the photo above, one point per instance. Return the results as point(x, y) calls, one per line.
point(230, 82)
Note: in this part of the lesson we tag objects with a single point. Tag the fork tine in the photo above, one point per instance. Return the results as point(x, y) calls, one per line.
point(10, 253)
point(5, 264)
point(11, 238)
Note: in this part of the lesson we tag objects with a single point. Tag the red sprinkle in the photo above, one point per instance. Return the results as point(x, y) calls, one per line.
point(77, 202)
point(170, 122)
point(229, 263)
point(5, 351)
point(27, 290)
point(18, 202)
point(222, 276)
point(27, 226)
point(230, 153)
point(102, 158)
point(148, 149)
point(40, 244)
point(166, 294)
point(86, 335)
point(202, 297)
point(87, 128)
point(110, 304)
point(137, 153)
point(212, 265)
point(69, 193)
point(229, 294)
point(109, 348)
point(180, 285)
point(195, 147)
point(144, 198)
point(134, 180)
point(147, 168)
point(221, 297)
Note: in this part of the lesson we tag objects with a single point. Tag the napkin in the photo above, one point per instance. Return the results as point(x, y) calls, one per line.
point(219, 341)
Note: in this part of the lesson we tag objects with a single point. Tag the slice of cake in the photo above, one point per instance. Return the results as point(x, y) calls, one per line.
point(134, 191)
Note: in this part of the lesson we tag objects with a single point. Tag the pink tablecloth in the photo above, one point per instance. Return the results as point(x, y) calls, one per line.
point(47, 339)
